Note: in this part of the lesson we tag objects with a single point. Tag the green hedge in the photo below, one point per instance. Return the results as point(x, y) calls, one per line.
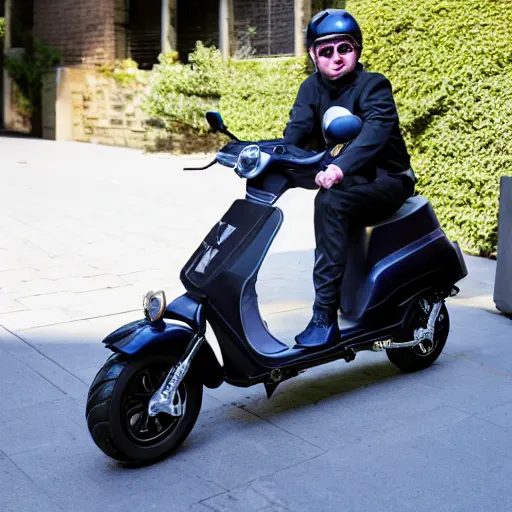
point(254, 96)
point(450, 63)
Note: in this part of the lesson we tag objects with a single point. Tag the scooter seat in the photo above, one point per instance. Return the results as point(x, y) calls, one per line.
point(415, 219)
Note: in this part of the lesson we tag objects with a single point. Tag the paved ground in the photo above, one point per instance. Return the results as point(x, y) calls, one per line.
point(86, 230)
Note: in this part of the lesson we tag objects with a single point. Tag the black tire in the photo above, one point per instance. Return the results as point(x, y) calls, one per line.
point(412, 359)
point(116, 409)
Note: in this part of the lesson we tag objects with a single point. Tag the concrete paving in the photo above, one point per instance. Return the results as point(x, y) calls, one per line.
point(86, 230)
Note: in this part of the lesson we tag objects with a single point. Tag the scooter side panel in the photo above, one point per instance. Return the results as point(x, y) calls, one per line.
point(226, 275)
point(222, 245)
point(431, 262)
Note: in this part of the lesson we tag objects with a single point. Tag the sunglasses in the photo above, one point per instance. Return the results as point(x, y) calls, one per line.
point(327, 52)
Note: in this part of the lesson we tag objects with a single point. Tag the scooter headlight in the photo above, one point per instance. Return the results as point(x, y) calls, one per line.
point(248, 161)
point(154, 305)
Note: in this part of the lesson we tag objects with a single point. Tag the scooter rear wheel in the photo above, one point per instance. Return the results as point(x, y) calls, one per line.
point(117, 409)
point(424, 354)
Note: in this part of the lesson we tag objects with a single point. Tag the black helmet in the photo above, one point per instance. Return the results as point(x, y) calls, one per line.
point(333, 23)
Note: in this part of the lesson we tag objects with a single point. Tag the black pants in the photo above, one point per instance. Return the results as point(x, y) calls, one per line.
point(337, 210)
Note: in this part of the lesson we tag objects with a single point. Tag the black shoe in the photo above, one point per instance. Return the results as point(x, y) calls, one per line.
point(321, 331)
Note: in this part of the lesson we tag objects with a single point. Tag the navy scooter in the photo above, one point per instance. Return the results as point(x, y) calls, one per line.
point(145, 400)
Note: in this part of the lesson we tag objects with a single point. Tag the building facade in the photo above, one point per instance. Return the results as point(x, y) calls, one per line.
point(99, 31)
point(95, 32)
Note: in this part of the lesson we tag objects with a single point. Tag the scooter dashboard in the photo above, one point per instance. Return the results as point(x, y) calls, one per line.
point(250, 159)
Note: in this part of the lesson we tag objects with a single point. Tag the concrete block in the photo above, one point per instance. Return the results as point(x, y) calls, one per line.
point(9, 304)
point(89, 482)
point(503, 283)
point(232, 447)
point(500, 415)
point(19, 494)
point(241, 498)
point(442, 471)
point(35, 318)
point(59, 426)
point(21, 385)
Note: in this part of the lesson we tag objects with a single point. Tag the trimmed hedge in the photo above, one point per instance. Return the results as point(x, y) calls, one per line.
point(450, 63)
point(254, 96)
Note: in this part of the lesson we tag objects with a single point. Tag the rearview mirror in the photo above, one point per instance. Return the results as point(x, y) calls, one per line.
point(215, 121)
point(339, 125)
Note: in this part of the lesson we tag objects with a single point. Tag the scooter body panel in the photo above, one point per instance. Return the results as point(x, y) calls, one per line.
point(224, 270)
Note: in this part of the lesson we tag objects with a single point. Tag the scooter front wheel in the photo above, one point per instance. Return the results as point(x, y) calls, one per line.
point(117, 409)
point(424, 354)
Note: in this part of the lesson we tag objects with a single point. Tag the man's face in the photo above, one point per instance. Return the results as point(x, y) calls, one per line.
point(335, 58)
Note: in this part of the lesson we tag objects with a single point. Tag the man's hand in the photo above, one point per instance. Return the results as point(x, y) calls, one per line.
point(332, 175)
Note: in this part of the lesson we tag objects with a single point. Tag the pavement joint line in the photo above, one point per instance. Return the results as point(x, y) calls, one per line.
point(477, 416)
point(204, 504)
point(488, 369)
point(266, 476)
point(271, 500)
point(46, 357)
point(107, 288)
point(46, 379)
point(41, 489)
point(444, 427)
point(134, 272)
point(280, 428)
point(213, 483)
point(79, 320)
point(67, 291)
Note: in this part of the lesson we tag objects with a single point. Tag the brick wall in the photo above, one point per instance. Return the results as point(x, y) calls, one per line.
point(84, 105)
point(83, 30)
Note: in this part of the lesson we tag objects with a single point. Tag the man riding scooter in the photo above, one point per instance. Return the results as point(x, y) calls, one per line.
point(146, 398)
point(365, 184)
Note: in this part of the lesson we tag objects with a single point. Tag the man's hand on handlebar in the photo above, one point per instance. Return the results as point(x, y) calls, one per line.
point(332, 175)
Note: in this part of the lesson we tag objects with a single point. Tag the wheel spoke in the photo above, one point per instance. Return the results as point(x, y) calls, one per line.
point(142, 396)
point(147, 383)
point(142, 427)
point(145, 418)
point(134, 409)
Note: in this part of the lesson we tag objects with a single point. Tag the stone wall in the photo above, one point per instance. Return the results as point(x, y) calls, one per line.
point(84, 105)
point(84, 31)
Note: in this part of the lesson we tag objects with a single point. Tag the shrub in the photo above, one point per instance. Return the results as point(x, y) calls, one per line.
point(27, 72)
point(125, 72)
point(257, 100)
point(254, 96)
point(450, 63)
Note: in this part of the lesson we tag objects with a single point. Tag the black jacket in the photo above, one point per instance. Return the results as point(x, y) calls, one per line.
point(368, 95)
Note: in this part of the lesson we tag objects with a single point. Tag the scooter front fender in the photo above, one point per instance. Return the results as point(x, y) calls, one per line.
point(166, 336)
point(144, 335)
